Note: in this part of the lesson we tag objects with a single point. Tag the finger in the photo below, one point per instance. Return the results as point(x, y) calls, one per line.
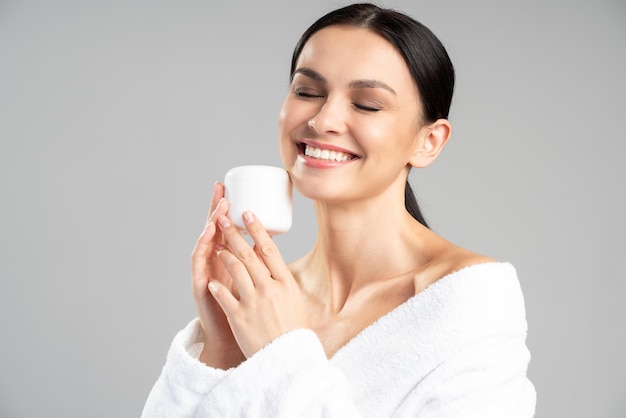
point(218, 194)
point(238, 272)
point(211, 236)
point(224, 298)
point(266, 247)
point(243, 251)
point(206, 245)
point(203, 249)
point(221, 208)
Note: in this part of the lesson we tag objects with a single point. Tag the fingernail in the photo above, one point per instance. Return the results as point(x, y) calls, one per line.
point(224, 222)
point(248, 217)
point(213, 286)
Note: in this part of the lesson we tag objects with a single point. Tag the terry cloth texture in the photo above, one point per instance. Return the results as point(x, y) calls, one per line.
point(456, 349)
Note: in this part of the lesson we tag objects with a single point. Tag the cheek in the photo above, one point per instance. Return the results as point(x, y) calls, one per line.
point(376, 136)
point(284, 134)
point(286, 119)
point(292, 120)
point(388, 142)
point(282, 115)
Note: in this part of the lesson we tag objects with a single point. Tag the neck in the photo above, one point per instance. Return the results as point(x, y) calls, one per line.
point(361, 244)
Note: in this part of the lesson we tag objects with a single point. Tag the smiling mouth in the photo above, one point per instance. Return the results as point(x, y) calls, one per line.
point(325, 154)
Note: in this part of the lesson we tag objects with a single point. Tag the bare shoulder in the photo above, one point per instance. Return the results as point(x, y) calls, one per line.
point(451, 259)
point(465, 258)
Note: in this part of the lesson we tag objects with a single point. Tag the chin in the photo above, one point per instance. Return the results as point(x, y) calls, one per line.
point(329, 191)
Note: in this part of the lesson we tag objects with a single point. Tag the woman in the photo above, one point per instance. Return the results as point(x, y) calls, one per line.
point(383, 317)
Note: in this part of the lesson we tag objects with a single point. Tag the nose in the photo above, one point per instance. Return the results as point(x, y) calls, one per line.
point(329, 119)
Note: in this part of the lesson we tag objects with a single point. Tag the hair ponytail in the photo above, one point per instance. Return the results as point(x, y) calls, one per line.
point(410, 202)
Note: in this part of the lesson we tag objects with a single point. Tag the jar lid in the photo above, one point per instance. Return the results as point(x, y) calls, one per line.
point(256, 172)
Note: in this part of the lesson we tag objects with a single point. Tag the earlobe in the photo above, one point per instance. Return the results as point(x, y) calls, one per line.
point(431, 140)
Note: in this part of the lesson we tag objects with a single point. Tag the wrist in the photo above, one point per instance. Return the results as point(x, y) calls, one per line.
point(221, 358)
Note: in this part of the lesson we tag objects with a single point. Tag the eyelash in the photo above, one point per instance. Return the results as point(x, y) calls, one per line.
point(306, 95)
point(366, 108)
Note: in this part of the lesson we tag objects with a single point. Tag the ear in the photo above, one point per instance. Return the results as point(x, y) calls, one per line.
point(430, 141)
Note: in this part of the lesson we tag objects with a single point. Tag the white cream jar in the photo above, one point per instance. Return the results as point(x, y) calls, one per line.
point(265, 191)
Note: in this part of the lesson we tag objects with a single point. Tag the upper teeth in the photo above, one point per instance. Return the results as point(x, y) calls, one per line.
point(324, 154)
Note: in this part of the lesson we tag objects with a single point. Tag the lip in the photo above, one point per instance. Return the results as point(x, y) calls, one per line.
point(317, 163)
point(329, 147)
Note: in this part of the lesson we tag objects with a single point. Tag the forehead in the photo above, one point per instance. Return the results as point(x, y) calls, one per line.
point(347, 53)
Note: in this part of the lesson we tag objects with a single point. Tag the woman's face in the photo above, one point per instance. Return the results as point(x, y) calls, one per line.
point(350, 122)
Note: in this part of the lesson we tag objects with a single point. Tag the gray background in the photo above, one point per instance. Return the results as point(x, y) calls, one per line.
point(117, 117)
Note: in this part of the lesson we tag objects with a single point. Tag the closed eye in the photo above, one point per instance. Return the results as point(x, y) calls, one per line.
point(305, 92)
point(307, 95)
point(366, 108)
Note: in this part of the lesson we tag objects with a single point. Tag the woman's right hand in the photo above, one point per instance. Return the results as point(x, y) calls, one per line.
point(220, 348)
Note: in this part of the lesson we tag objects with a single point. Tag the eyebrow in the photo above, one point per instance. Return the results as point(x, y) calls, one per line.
point(356, 84)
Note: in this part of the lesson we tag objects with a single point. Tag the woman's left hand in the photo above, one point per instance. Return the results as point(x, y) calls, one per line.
point(270, 302)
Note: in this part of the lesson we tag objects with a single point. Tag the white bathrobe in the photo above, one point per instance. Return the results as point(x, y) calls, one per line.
point(456, 349)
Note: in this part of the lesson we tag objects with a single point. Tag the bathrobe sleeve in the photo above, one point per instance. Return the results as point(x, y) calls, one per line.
point(290, 377)
point(474, 327)
point(184, 381)
point(485, 379)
